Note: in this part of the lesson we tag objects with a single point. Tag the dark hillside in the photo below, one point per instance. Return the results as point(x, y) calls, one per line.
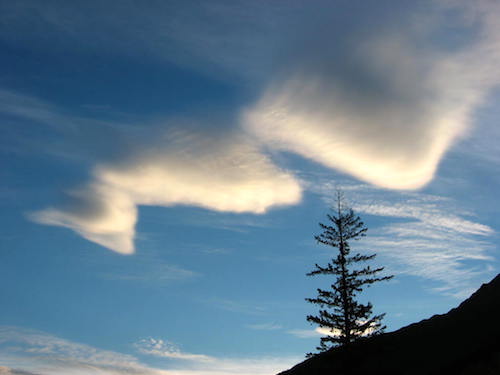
point(465, 341)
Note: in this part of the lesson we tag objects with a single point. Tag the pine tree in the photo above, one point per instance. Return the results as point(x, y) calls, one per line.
point(346, 319)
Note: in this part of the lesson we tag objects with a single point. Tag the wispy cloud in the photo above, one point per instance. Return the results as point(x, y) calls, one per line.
point(160, 272)
point(66, 136)
point(383, 109)
point(31, 108)
point(432, 217)
point(311, 333)
point(45, 354)
point(305, 333)
point(265, 326)
point(167, 349)
point(217, 251)
point(28, 352)
point(10, 371)
point(433, 237)
point(215, 38)
point(199, 364)
point(240, 366)
point(237, 306)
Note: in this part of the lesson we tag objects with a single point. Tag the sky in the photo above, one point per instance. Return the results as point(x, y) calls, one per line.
point(165, 165)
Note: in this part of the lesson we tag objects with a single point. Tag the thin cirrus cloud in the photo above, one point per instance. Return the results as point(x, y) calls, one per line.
point(29, 352)
point(148, 270)
point(214, 38)
point(10, 371)
point(384, 109)
point(445, 248)
point(433, 237)
point(200, 364)
point(265, 326)
point(227, 174)
point(24, 351)
point(167, 349)
point(306, 333)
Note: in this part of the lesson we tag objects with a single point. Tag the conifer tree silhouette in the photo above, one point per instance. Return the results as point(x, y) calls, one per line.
point(346, 319)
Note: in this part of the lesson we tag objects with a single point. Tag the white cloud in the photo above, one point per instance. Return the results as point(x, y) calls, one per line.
point(213, 169)
point(386, 113)
point(102, 214)
point(304, 333)
point(241, 366)
point(167, 349)
point(227, 174)
point(36, 353)
point(384, 110)
point(431, 217)
point(9, 371)
point(328, 332)
point(199, 364)
point(317, 332)
point(45, 354)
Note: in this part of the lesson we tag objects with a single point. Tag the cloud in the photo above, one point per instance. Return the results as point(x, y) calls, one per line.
point(217, 37)
point(65, 136)
point(216, 169)
point(237, 306)
point(429, 236)
point(31, 108)
point(146, 272)
point(10, 371)
point(305, 333)
point(38, 353)
point(317, 332)
point(167, 349)
point(44, 354)
point(383, 108)
point(265, 326)
point(311, 333)
point(216, 251)
point(199, 364)
point(380, 108)
point(240, 366)
point(220, 172)
point(434, 221)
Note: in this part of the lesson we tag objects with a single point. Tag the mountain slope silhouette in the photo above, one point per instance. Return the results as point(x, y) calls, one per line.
point(464, 341)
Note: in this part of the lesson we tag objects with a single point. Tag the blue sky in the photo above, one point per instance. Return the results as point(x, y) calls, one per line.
point(165, 166)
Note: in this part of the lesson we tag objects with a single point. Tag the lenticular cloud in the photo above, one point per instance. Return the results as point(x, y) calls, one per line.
point(385, 111)
point(222, 174)
point(387, 144)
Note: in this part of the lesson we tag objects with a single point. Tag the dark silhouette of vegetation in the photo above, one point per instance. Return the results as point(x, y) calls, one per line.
point(440, 345)
point(345, 318)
